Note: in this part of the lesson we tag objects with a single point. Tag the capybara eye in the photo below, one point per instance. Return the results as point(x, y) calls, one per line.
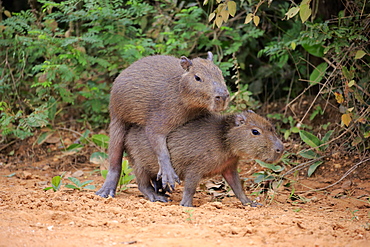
point(255, 132)
point(197, 78)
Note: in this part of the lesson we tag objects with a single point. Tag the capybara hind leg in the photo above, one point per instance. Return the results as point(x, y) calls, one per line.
point(145, 186)
point(115, 150)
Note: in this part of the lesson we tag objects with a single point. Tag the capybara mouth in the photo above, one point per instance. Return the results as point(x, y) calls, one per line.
point(221, 103)
point(276, 158)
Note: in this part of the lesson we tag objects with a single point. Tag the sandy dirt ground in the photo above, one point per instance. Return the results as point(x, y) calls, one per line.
point(30, 216)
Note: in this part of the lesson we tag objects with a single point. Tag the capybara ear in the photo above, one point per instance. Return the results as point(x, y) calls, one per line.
point(239, 119)
point(185, 63)
point(210, 56)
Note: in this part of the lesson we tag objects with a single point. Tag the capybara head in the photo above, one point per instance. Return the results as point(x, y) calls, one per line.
point(253, 136)
point(203, 84)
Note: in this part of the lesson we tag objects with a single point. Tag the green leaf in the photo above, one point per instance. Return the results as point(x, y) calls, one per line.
point(367, 134)
point(75, 147)
point(124, 165)
point(308, 154)
point(360, 54)
point(309, 139)
point(56, 181)
point(287, 134)
point(283, 59)
point(43, 137)
point(319, 72)
point(349, 74)
point(351, 83)
point(126, 179)
point(262, 176)
point(318, 110)
point(71, 186)
point(104, 173)
point(327, 136)
point(48, 188)
point(90, 187)
point(313, 168)
point(273, 167)
point(52, 108)
point(315, 50)
point(305, 12)
point(86, 182)
point(75, 181)
point(293, 45)
point(101, 140)
point(84, 136)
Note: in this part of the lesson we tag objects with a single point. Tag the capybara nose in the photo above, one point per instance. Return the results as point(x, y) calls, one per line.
point(222, 94)
point(279, 148)
point(222, 97)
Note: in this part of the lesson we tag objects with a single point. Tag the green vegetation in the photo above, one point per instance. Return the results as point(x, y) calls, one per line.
point(77, 185)
point(190, 213)
point(56, 183)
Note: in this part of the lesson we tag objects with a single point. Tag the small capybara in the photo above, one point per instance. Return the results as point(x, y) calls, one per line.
point(204, 147)
point(160, 93)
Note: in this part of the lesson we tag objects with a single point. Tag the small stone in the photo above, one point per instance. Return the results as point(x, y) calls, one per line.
point(53, 140)
point(234, 230)
point(25, 175)
point(78, 173)
point(218, 205)
point(46, 167)
point(347, 184)
point(337, 166)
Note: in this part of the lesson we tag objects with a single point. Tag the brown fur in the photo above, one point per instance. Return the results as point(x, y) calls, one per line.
point(205, 147)
point(160, 93)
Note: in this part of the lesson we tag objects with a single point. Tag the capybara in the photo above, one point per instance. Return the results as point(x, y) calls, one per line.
point(160, 93)
point(204, 147)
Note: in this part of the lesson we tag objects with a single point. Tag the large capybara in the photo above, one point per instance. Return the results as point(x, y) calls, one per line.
point(204, 147)
point(160, 93)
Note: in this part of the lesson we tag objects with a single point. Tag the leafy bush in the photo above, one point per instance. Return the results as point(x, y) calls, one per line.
point(309, 53)
point(60, 60)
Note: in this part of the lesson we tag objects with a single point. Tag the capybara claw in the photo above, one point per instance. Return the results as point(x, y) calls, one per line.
point(106, 193)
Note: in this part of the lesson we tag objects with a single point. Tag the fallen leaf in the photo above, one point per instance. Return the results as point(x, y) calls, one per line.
point(346, 119)
point(339, 97)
